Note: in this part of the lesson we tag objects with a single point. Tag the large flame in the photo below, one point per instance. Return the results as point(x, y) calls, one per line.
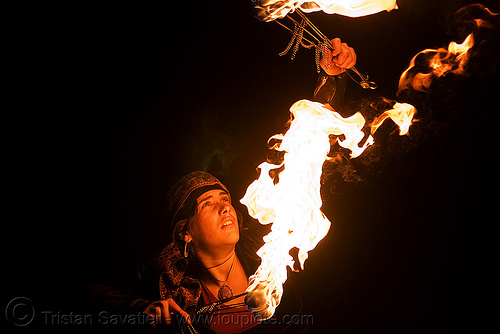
point(269, 10)
point(419, 75)
point(293, 203)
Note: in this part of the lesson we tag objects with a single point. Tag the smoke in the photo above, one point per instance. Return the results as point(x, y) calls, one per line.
point(485, 26)
point(477, 56)
point(459, 103)
point(467, 94)
point(387, 143)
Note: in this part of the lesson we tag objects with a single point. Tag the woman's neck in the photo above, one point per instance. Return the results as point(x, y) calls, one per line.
point(213, 258)
point(216, 265)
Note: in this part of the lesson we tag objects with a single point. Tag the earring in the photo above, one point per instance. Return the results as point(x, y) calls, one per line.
point(185, 249)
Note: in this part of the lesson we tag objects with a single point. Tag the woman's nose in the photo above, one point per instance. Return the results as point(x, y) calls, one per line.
point(225, 208)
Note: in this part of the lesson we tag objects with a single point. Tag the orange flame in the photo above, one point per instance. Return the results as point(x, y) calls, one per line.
point(451, 60)
point(276, 9)
point(293, 205)
point(401, 114)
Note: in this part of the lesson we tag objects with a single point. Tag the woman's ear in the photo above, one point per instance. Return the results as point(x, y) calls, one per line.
point(187, 237)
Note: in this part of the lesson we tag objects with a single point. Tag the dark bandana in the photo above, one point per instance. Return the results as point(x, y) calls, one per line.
point(182, 190)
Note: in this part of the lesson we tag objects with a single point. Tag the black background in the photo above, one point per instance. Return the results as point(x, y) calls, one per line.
point(109, 105)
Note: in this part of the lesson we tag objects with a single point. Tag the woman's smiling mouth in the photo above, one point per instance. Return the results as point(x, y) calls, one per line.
point(228, 222)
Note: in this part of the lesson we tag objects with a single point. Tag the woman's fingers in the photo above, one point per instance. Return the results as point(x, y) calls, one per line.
point(346, 58)
point(164, 313)
point(337, 47)
point(342, 55)
point(176, 308)
point(161, 310)
point(340, 58)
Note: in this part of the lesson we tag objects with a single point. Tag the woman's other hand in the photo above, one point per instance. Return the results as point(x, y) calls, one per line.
point(161, 311)
point(339, 59)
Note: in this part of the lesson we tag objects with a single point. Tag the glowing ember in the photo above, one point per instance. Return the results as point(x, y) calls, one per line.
point(269, 10)
point(439, 63)
point(293, 203)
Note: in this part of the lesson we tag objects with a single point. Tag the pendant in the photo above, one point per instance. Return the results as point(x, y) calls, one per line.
point(225, 292)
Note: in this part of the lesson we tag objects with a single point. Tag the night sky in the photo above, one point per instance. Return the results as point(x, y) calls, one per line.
point(111, 105)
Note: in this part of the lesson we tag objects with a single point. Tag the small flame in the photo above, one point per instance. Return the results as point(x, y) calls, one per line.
point(293, 204)
point(442, 61)
point(269, 10)
point(401, 114)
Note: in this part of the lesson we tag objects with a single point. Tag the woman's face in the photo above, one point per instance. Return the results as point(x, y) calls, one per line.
point(215, 224)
